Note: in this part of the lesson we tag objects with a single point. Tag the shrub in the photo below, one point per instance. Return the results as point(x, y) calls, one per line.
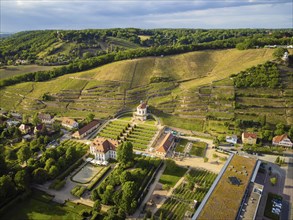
point(273, 180)
point(97, 178)
point(57, 184)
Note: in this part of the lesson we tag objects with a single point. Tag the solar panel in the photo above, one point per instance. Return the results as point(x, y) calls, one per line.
point(234, 180)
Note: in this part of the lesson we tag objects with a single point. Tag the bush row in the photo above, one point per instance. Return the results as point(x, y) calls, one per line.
point(98, 177)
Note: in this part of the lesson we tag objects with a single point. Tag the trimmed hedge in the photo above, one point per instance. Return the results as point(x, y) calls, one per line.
point(57, 184)
point(68, 171)
point(78, 190)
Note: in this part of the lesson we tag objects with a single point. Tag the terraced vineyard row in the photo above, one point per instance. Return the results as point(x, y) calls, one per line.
point(181, 203)
point(139, 135)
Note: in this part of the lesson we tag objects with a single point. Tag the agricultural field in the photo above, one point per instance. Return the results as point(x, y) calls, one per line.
point(11, 71)
point(194, 187)
point(40, 206)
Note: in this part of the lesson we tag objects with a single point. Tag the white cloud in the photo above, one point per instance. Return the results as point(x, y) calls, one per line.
point(77, 14)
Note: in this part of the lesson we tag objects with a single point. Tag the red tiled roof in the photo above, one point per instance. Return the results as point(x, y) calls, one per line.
point(279, 138)
point(166, 143)
point(104, 145)
point(142, 105)
point(249, 135)
point(87, 127)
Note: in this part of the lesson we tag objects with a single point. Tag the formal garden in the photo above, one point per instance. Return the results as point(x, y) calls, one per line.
point(191, 148)
point(125, 187)
point(182, 201)
point(140, 134)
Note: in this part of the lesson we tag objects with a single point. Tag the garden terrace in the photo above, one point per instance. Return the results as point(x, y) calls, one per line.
point(114, 129)
point(225, 199)
point(194, 187)
point(141, 136)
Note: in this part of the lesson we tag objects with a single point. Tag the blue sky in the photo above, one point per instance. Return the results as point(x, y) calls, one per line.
point(18, 15)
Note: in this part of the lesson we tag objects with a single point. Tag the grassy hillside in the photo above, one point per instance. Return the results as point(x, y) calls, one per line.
point(197, 68)
point(10, 71)
point(201, 94)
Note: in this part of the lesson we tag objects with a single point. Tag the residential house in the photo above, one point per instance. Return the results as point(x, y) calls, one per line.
point(141, 111)
point(249, 138)
point(89, 128)
point(104, 149)
point(16, 115)
point(69, 123)
point(38, 128)
point(282, 140)
point(24, 128)
point(232, 139)
point(27, 137)
point(166, 144)
point(46, 118)
point(11, 123)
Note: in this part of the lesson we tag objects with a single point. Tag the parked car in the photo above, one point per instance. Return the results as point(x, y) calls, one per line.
point(277, 205)
point(275, 212)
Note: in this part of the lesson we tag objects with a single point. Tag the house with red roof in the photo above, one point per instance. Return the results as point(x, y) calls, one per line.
point(282, 140)
point(89, 128)
point(69, 123)
point(104, 149)
point(249, 138)
point(166, 144)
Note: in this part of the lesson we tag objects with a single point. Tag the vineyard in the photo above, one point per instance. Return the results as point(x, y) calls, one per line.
point(140, 135)
point(194, 187)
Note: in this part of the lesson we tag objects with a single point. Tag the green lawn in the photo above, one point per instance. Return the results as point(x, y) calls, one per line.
point(198, 149)
point(39, 206)
point(172, 173)
point(181, 145)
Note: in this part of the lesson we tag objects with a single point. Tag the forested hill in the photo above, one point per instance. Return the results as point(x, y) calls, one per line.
point(53, 47)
